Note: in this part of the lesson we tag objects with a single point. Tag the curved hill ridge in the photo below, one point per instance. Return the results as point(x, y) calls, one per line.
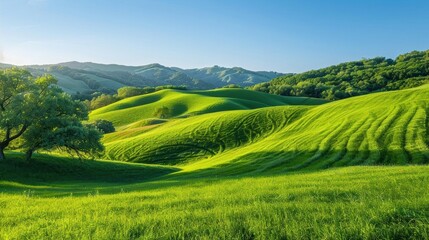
point(381, 128)
point(189, 103)
point(185, 140)
point(389, 128)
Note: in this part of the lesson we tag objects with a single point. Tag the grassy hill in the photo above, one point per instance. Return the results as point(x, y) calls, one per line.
point(185, 140)
point(377, 129)
point(382, 128)
point(190, 103)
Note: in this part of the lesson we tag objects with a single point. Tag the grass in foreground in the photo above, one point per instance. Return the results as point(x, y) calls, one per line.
point(346, 203)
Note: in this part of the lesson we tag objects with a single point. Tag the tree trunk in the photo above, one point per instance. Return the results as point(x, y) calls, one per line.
point(2, 156)
point(28, 155)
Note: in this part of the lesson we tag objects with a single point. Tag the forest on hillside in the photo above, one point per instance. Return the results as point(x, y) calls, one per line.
point(354, 78)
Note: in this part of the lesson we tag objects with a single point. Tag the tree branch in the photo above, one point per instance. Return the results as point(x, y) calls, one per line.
point(24, 127)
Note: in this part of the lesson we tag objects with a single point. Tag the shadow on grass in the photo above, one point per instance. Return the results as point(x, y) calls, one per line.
point(286, 162)
point(49, 173)
point(59, 176)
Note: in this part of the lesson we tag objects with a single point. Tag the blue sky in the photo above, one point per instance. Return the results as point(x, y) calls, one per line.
point(279, 35)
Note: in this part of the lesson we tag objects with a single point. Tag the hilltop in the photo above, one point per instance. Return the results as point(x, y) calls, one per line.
point(91, 77)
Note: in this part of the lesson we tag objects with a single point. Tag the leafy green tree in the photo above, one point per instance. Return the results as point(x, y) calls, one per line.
point(181, 87)
point(104, 126)
point(162, 112)
point(231, 86)
point(125, 92)
point(42, 116)
point(102, 100)
point(17, 91)
point(61, 126)
point(74, 138)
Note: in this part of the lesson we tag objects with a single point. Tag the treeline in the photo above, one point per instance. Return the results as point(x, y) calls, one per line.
point(101, 99)
point(354, 78)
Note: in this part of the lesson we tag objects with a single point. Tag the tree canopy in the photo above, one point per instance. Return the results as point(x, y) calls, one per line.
point(39, 115)
point(354, 78)
point(104, 126)
point(162, 112)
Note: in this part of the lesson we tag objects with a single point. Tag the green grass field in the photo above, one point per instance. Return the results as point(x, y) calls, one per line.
point(342, 203)
point(234, 164)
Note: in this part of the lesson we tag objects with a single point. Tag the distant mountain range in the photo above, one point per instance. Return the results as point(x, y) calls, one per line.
point(91, 77)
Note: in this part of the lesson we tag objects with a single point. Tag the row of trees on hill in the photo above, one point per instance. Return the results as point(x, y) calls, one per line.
point(354, 78)
point(36, 114)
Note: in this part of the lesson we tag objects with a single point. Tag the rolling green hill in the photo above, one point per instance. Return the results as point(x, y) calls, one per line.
point(381, 128)
point(377, 129)
point(186, 140)
point(189, 103)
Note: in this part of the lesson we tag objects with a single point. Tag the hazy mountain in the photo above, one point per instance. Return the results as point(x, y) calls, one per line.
point(4, 65)
point(89, 77)
point(236, 75)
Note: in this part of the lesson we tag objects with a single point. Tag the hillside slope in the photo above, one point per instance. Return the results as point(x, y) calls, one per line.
point(381, 128)
point(186, 140)
point(389, 128)
point(190, 103)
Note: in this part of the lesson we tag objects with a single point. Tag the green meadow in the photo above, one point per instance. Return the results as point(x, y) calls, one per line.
point(234, 164)
point(342, 203)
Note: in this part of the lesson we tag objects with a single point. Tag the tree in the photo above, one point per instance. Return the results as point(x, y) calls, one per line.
point(231, 86)
point(61, 126)
point(72, 137)
point(125, 92)
point(104, 126)
point(17, 112)
point(102, 100)
point(42, 115)
point(162, 112)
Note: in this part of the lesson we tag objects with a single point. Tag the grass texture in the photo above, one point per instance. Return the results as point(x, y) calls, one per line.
point(388, 128)
point(234, 164)
point(344, 203)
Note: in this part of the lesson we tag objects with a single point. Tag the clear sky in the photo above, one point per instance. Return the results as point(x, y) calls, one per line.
point(279, 35)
